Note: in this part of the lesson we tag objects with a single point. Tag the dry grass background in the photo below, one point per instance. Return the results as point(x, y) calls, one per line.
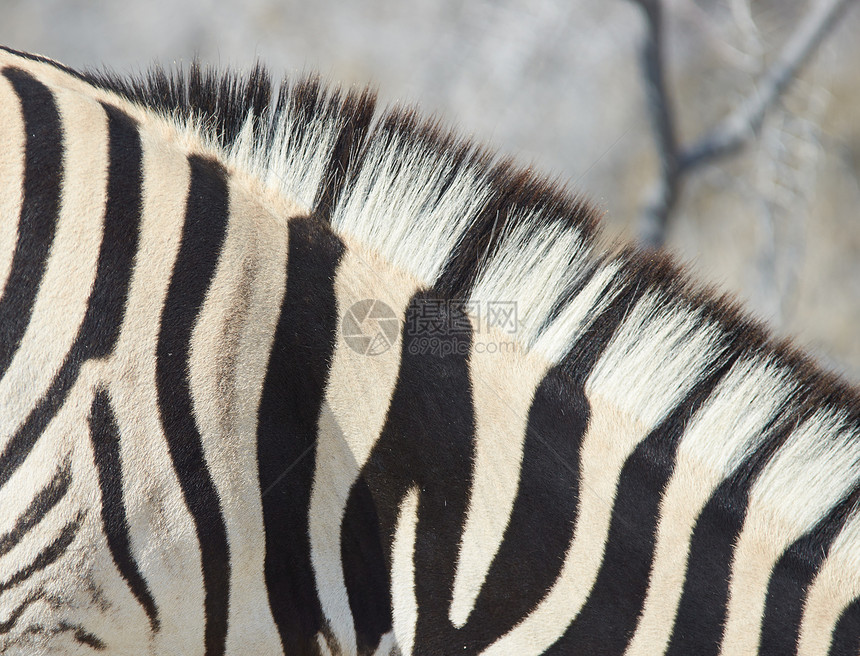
point(556, 83)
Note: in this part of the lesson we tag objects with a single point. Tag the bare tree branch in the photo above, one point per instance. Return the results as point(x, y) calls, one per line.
point(735, 130)
point(738, 127)
point(663, 124)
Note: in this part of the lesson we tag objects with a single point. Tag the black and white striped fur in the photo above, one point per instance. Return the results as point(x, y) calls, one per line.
point(194, 461)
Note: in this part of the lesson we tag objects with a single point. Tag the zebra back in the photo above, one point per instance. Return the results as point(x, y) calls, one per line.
point(279, 376)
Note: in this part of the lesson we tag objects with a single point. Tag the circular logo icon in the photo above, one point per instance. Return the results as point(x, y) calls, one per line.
point(370, 327)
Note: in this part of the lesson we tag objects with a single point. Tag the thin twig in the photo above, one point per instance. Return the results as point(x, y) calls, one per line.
point(739, 126)
point(731, 133)
point(662, 120)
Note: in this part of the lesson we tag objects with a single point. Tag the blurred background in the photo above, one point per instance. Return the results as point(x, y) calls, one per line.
point(559, 84)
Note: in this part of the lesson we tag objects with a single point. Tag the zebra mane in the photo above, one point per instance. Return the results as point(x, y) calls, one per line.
point(469, 224)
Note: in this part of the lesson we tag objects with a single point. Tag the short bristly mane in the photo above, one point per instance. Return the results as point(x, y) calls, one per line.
point(471, 225)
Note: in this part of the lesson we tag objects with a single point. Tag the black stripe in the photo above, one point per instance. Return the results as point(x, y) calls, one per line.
point(45, 499)
point(44, 60)
point(546, 505)
point(82, 636)
point(366, 575)
point(608, 620)
point(203, 233)
point(48, 555)
point(292, 396)
point(15, 615)
point(427, 442)
point(101, 324)
point(704, 600)
point(104, 434)
point(702, 608)
point(358, 113)
point(792, 578)
point(846, 633)
point(43, 178)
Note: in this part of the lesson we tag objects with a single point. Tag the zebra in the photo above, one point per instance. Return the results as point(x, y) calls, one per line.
point(280, 374)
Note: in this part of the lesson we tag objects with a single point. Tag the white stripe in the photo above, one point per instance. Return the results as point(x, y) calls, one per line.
point(502, 386)
point(646, 369)
point(62, 297)
point(161, 529)
point(836, 586)
point(18, 493)
point(530, 270)
point(504, 382)
point(556, 340)
point(387, 645)
point(729, 425)
point(351, 420)
point(404, 603)
point(322, 643)
point(804, 480)
point(227, 366)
